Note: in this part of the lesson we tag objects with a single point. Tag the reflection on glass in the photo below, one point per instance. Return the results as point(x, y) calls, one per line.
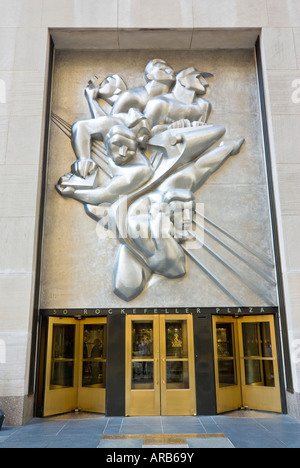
point(226, 354)
point(142, 339)
point(93, 374)
point(142, 375)
point(177, 375)
point(225, 339)
point(62, 362)
point(227, 373)
point(259, 372)
point(176, 339)
point(257, 344)
point(142, 355)
point(257, 339)
point(94, 355)
point(177, 368)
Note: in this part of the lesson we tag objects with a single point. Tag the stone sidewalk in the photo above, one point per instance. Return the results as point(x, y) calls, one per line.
point(248, 429)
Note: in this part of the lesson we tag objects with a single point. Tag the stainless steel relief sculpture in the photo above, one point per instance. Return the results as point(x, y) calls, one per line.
point(140, 158)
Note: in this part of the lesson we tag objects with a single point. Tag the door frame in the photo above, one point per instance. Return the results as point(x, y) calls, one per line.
point(160, 400)
point(65, 400)
point(228, 398)
point(238, 320)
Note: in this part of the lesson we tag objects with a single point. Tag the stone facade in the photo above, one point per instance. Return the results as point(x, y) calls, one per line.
point(25, 29)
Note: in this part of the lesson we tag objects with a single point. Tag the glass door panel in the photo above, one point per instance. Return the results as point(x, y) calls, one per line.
point(142, 356)
point(226, 354)
point(160, 374)
point(246, 363)
point(62, 356)
point(61, 368)
point(142, 366)
point(94, 356)
point(177, 354)
point(177, 365)
point(228, 389)
point(76, 366)
point(259, 366)
point(92, 365)
point(257, 346)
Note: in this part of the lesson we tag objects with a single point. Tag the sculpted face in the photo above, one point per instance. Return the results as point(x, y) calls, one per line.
point(111, 86)
point(193, 80)
point(122, 146)
point(159, 70)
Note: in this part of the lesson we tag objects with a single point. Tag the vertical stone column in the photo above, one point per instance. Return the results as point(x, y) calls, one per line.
point(23, 55)
point(281, 49)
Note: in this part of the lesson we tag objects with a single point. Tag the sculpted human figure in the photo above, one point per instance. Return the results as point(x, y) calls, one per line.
point(129, 168)
point(182, 103)
point(159, 77)
point(109, 90)
point(151, 198)
point(85, 131)
point(160, 221)
point(126, 107)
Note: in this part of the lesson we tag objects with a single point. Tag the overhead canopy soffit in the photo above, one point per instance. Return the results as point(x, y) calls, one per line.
point(102, 39)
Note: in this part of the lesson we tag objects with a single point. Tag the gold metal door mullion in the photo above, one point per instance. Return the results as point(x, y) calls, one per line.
point(78, 359)
point(128, 365)
point(239, 352)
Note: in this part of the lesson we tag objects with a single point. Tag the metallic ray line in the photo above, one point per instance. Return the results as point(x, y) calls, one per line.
point(98, 151)
point(212, 277)
point(61, 128)
point(259, 255)
point(62, 122)
point(258, 270)
point(239, 275)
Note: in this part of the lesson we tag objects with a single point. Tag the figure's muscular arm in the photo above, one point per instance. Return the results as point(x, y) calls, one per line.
point(133, 98)
point(91, 94)
point(128, 181)
point(195, 175)
point(157, 112)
